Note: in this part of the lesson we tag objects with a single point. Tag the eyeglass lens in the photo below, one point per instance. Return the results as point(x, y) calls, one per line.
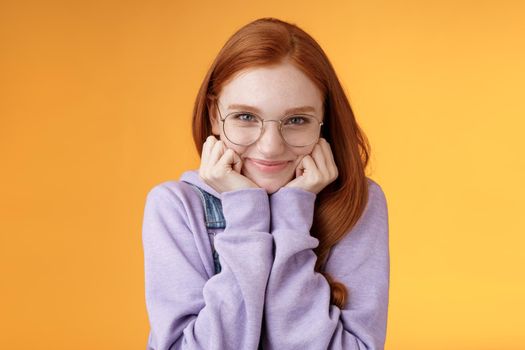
point(245, 129)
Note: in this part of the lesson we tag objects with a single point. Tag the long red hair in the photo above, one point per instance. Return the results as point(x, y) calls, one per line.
point(269, 41)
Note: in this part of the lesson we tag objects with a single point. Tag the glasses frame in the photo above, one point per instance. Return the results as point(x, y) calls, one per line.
point(280, 121)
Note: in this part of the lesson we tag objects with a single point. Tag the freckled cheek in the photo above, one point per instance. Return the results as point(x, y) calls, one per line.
point(238, 149)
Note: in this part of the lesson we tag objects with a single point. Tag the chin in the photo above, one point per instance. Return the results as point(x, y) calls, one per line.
point(272, 190)
point(270, 187)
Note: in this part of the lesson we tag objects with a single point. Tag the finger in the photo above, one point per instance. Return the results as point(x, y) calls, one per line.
point(205, 156)
point(208, 145)
point(327, 151)
point(309, 166)
point(216, 152)
point(318, 157)
point(300, 167)
point(237, 162)
point(206, 148)
point(324, 148)
point(227, 160)
point(330, 161)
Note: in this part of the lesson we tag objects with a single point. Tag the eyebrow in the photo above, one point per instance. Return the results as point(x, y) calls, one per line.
point(253, 109)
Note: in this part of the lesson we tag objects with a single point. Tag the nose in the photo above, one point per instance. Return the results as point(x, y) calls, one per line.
point(270, 143)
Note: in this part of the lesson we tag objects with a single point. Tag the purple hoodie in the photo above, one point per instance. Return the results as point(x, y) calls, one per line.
point(267, 289)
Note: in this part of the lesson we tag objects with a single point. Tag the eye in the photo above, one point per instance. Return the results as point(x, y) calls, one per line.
point(296, 120)
point(245, 117)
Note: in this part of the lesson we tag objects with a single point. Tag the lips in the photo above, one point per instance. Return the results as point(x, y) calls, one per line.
point(266, 166)
point(267, 162)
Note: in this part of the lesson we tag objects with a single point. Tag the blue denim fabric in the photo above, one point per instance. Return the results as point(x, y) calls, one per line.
point(214, 219)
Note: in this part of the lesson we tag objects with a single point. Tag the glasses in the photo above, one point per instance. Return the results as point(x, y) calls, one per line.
point(244, 128)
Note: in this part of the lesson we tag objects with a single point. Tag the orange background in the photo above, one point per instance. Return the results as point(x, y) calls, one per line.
point(95, 108)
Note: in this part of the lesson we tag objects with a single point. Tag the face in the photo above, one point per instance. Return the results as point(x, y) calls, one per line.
point(270, 91)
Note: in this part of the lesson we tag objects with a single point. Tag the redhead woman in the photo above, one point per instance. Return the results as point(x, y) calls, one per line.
point(278, 240)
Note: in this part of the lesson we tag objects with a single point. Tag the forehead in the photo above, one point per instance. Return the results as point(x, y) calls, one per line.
point(272, 90)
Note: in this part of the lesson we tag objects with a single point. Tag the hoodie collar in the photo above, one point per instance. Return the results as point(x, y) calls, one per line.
point(192, 176)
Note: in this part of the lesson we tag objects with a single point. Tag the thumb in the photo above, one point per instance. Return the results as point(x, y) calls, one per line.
point(227, 159)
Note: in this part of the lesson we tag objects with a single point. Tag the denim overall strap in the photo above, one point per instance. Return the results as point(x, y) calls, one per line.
point(213, 218)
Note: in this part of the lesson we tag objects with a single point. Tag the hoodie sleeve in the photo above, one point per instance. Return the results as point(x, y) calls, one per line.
point(298, 313)
point(186, 308)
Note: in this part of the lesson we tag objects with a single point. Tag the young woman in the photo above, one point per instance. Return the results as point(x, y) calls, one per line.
point(278, 240)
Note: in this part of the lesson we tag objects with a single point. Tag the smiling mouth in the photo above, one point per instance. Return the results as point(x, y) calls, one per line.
point(268, 166)
point(268, 163)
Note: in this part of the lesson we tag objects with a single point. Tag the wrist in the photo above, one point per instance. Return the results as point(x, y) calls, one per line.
point(246, 209)
point(292, 208)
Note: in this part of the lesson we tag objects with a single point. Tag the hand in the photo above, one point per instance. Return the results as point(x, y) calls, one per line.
point(221, 167)
point(317, 170)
